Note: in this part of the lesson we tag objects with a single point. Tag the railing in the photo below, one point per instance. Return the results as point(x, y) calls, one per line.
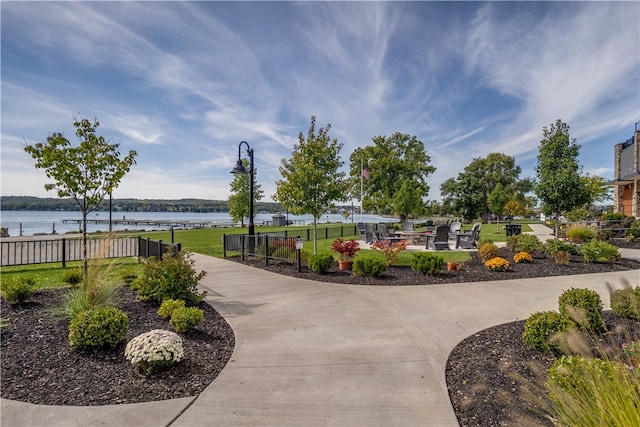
point(23, 252)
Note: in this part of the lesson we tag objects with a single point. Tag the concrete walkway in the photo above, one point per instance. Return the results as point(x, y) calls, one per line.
point(311, 353)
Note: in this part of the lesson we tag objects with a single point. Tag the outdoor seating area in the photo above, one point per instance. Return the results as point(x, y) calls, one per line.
point(440, 239)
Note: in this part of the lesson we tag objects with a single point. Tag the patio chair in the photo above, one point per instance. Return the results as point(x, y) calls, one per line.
point(407, 226)
point(469, 240)
point(371, 235)
point(362, 229)
point(455, 230)
point(383, 233)
point(440, 239)
point(430, 225)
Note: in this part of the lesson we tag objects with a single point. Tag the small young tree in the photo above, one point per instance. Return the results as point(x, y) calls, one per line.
point(86, 173)
point(497, 200)
point(311, 181)
point(239, 198)
point(560, 186)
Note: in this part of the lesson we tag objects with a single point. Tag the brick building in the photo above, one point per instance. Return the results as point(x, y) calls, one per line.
point(626, 178)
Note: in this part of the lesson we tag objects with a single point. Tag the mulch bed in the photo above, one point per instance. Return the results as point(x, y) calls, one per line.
point(492, 377)
point(39, 366)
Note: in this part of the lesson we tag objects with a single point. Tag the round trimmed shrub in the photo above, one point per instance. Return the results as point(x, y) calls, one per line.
point(540, 327)
point(320, 263)
point(626, 302)
point(184, 319)
point(369, 264)
point(168, 306)
point(18, 289)
point(72, 276)
point(488, 251)
point(583, 306)
point(427, 263)
point(103, 327)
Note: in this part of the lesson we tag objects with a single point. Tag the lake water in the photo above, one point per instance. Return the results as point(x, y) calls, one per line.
point(46, 222)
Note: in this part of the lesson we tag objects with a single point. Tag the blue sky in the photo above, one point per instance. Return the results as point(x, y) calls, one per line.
point(182, 83)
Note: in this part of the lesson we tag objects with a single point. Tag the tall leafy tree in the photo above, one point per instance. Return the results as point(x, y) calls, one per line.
point(239, 198)
point(560, 187)
point(87, 173)
point(498, 198)
point(470, 191)
point(311, 179)
point(398, 168)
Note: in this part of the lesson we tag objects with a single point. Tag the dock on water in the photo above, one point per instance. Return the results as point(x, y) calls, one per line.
point(154, 223)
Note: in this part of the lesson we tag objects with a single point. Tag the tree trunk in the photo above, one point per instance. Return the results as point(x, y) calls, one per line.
point(85, 262)
point(315, 235)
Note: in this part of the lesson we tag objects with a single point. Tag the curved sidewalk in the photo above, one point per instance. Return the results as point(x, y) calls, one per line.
point(311, 353)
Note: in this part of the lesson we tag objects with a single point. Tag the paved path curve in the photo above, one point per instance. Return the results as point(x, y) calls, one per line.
point(318, 354)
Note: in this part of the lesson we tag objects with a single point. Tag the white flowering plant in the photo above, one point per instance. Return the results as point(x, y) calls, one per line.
point(154, 351)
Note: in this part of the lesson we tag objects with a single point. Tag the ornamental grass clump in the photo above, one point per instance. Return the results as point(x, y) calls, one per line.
point(154, 351)
point(522, 257)
point(580, 234)
point(497, 264)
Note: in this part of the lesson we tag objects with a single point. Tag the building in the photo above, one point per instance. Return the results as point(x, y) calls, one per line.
point(626, 178)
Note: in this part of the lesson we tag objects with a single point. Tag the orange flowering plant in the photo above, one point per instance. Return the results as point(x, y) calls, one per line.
point(524, 257)
point(497, 264)
point(389, 249)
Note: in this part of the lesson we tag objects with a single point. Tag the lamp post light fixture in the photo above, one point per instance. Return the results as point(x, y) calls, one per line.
point(240, 169)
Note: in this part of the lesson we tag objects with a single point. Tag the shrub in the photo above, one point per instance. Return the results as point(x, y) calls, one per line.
point(522, 257)
point(18, 289)
point(581, 233)
point(583, 306)
point(371, 265)
point(320, 263)
point(626, 302)
point(497, 264)
point(154, 351)
point(488, 251)
point(482, 242)
point(540, 327)
point(72, 276)
point(346, 249)
point(184, 319)
point(103, 327)
point(524, 243)
point(389, 249)
point(586, 392)
point(613, 216)
point(597, 251)
point(168, 306)
point(633, 231)
point(551, 246)
point(562, 257)
point(172, 277)
point(427, 263)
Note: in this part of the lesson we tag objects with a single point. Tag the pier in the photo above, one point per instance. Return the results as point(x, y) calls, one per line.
point(154, 223)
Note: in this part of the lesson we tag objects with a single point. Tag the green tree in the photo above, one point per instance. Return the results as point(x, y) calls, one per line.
point(560, 187)
point(311, 181)
point(497, 200)
point(239, 198)
point(398, 168)
point(469, 193)
point(515, 208)
point(599, 191)
point(86, 173)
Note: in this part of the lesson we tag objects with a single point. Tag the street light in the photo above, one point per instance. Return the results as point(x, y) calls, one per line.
point(240, 169)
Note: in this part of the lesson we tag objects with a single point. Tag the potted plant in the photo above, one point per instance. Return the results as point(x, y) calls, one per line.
point(346, 250)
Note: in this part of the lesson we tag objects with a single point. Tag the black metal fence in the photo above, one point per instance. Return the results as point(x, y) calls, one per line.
point(270, 246)
point(23, 252)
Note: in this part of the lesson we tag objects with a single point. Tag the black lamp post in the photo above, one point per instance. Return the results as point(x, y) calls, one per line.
point(239, 168)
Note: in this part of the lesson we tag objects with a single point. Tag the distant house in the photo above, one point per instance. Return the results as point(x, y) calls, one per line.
point(626, 178)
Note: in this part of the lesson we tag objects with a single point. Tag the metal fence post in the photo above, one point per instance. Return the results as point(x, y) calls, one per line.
point(266, 249)
point(64, 253)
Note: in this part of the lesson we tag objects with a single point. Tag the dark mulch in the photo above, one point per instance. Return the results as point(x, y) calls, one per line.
point(39, 366)
point(485, 373)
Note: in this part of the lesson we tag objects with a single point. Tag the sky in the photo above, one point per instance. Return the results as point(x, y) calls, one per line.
point(182, 83)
